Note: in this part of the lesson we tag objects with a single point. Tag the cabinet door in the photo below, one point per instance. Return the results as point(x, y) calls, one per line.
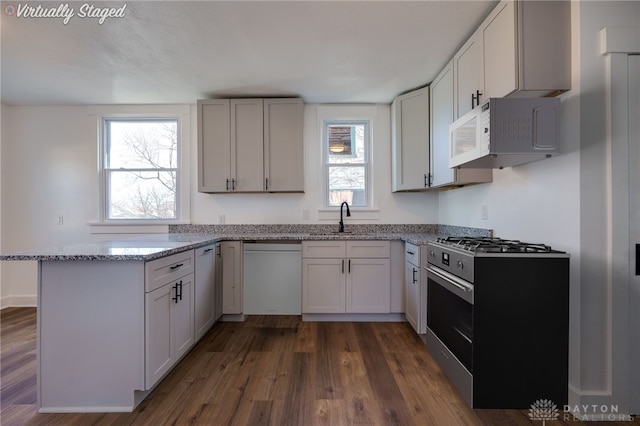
point(441, 117)
point(368, 286)
point(283, 145)
point(247, 145)
point(182, 318)
point(410, 143)
point(323, 285)
point(214, 145)
point(232, 277)
point(412, 293)
point(205, 280)
point(469, 75)
point(500, 59)
point(218, 282)
point(158, 350)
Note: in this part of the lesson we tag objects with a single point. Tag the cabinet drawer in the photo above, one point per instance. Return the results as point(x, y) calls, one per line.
point(324, 249)
point(164, 270)
point(412, 254)
point(368, 249)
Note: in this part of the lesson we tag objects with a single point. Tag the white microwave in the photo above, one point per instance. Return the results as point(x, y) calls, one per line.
point(504, 132)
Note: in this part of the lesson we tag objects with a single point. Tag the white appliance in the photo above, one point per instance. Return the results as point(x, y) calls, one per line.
point(272, 278)
point(504, 132)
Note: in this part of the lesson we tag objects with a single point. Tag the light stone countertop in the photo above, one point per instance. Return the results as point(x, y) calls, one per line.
point(193, 236)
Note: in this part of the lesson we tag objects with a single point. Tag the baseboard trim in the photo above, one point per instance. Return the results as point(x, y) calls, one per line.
point(25, 301)
point(354, 317)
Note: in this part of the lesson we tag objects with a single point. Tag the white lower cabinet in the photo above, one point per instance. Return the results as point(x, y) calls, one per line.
point(205, 289)
point(323, 286)
point(169, 327)
point(346, 277)
point(415, 289)
point(232, 277)
point(169, 306)
point(368, 286)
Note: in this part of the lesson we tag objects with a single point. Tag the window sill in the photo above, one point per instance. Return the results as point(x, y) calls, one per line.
point(356, 214)
point(131, 227)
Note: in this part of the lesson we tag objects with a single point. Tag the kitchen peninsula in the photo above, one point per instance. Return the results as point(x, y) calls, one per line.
point(104, 338)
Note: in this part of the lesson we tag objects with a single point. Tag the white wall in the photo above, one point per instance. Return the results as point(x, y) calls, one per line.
point(49, 168)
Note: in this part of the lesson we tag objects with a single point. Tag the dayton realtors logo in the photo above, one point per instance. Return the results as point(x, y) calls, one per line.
point(546, 410)
point(543, 409)
point(65, 12)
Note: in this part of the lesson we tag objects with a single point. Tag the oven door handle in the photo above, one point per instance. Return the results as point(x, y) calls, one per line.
point(451, 279)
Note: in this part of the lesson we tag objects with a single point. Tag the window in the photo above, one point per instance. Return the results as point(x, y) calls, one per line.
point(140, 168)
point(346, 147)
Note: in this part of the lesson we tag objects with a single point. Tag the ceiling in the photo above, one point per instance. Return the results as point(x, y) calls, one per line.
point(180, 51)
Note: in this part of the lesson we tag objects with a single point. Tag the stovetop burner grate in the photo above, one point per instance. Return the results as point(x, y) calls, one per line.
point(495, 245)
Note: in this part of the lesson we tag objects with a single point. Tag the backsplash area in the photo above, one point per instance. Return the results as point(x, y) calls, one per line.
point(444, 230)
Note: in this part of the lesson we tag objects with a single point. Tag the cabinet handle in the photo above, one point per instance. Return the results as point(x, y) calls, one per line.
point(475, 98)
point(179, 286)
point(227, 184)
point(175, 292)
point(207, 250)
point(266, 184)
point(349, 265)
point(233, 184)
point(219, 250)
point(415, 280)
point(410, 252)
point(343, 266)
point(430, 179)
point(176, 266)
point(426, 182)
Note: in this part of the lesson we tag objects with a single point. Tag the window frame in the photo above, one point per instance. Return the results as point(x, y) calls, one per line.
point(366, 164)
point(182, 188)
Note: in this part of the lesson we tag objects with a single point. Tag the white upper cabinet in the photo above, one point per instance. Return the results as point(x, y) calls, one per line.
point(523, 49)
point(283, 145)
point(246, 145)
point(250, 145)
point(442, 113)
point(469, 75)
point(500, 64)
point(410, 141)
point(214, 145)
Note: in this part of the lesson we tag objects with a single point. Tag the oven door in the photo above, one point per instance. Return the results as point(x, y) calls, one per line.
point(450, 313)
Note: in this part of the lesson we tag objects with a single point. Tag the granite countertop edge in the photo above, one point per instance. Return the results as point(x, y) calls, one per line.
point(155, 246)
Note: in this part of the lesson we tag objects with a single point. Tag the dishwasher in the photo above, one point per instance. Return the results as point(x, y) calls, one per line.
point(272, 278)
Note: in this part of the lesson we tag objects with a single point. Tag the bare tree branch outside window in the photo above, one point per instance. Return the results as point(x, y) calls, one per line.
point(141, 168)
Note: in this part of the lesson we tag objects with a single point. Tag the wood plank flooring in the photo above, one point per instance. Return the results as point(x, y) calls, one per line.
point(272, 370)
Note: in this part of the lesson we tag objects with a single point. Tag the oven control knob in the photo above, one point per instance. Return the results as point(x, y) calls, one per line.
point(432, 253)
point(460, 264)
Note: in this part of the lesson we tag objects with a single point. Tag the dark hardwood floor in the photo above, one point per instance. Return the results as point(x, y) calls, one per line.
point(272, 370)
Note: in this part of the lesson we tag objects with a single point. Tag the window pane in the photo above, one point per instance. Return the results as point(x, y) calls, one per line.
point(142, 144)
point(142, 195)
point(345, 143)
point(347, 184)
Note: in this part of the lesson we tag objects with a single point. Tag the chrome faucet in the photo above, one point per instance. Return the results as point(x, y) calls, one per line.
point(344, 203)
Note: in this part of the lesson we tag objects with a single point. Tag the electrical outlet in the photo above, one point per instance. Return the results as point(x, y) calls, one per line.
point(60, 219)
point(484, 212)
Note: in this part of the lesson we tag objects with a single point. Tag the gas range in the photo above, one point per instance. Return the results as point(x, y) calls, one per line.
point(459, 255)
point(494, 245)
point(486, 299)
